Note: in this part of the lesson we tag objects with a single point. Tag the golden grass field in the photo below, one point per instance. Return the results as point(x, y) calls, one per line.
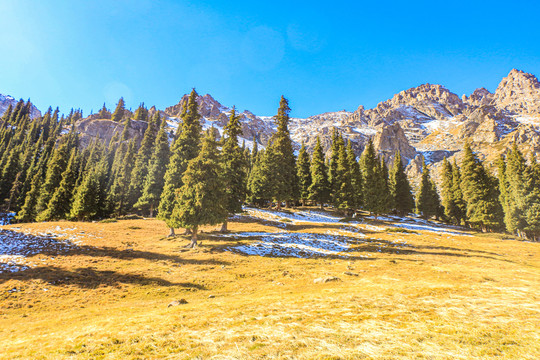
point(442, 297)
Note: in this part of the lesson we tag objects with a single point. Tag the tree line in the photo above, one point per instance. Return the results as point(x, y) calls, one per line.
point(191, 179)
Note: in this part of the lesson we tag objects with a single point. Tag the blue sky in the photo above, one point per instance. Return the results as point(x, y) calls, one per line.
point(322, 55)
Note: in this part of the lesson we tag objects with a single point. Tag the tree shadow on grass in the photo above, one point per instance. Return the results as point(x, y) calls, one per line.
point(89, 278)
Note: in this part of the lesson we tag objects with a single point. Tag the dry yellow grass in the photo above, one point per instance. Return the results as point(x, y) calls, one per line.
point(444, 297)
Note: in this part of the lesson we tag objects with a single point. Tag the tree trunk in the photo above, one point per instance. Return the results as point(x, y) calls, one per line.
point(151, 210)
point(194, 237)
point(223, 227)
point(322, 207)
point(171, 233)
point(187, 232)
point(278, 205)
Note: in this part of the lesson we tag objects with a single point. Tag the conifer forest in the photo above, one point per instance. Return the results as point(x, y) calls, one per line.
point(189, 179)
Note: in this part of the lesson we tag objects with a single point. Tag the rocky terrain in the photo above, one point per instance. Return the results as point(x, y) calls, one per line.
point(6, 100)
point(428, 120)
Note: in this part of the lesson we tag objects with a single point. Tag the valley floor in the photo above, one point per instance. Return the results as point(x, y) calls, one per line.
point(288, 285)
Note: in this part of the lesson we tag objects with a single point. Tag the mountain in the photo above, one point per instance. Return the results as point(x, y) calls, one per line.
point(6, 100)
point(428, 120)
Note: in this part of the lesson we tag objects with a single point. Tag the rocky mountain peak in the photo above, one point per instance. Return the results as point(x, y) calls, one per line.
point(519, 92)
point(479, 97)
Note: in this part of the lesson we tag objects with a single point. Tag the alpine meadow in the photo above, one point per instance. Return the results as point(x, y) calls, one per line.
point(407, 228)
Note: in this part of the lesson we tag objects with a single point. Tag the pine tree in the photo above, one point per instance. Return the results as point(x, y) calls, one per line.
point(337, 144)
point(28, 211)
point(383, 197)
point(185, 147)
point(343, 182)
point(104, 113)
point(281, 159)
point(428, 202)
point(369, 168)
point(480, 191)
point(142, 113)
point(55, 167)
point(319, 191)
point(59, 205)
point(201, 199)
point(356, 177)
point(118, 114)
point(400, 190)
point(457, 194)
point(118, 196)
point(450, 210)
point(234, 167)
point(259, 187)
point(153, 185)
point(303, 172)
point(532, 200)
point(85, 201)
point(142, 162)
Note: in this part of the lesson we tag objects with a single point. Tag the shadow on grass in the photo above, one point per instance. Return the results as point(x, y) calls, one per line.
point(89, 278)
point(356, 247)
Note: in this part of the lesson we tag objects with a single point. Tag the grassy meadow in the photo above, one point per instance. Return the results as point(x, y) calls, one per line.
point(399, 294)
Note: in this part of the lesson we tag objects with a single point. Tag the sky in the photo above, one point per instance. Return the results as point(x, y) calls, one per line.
point(321, 55)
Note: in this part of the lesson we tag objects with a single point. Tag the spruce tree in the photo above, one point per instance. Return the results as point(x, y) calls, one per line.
point(185, 147)
point(201, 199)
point(118, 195)
point(281, 159)
point(400, 190)
point(142, 161)
point(28, 211)
point(85, 201)
point(369, 167)
point(450, 209)
point(55, 167)
point(153, 185)
point(142, 113)
point(428, 203)
point(259, 187)
point(59, 205)
point(356, 177)
point(118, 114)
point(234, 167)
point(480, 191)
point(303, 171)
point(457, 194)
point(343, 183)
point(333, 178)
point(319, 190)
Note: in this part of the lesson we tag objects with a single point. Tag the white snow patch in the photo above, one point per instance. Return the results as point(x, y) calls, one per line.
point(16, 247)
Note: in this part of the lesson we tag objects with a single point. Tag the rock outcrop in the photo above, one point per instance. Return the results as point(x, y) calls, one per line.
point(104, 129)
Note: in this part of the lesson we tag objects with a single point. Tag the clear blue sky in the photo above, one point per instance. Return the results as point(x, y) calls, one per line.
point(322, 55)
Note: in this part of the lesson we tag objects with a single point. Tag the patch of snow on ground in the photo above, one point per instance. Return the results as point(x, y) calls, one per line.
point(301, 245)
point(15, 247)
point(293, 217)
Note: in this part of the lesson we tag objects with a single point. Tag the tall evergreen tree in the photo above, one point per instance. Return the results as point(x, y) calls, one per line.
point(400, 190)
point(142, 161)
point(259, 186)
point(201, 199)
point(59, 205)
point(141, 113)
point(480, 191)
point(428, 202)
point(356, 177)
point(118, 114)
point(303, 171)
point(343, 182)
point(185, 147)
point(319, 190)
point(153, 185)
point(234, 167)
point(369, 167)
point(281, 159)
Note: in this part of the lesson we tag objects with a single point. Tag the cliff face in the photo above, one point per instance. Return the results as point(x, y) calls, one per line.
point(104, 130)
point(6, 100)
